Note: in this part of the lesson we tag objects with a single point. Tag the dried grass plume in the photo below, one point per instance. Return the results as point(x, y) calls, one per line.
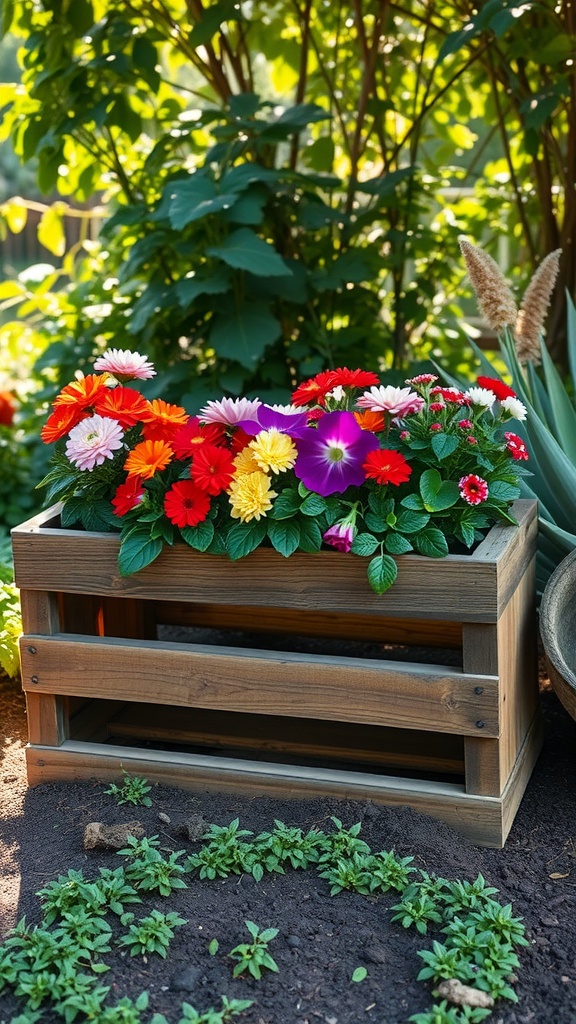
point(495, 298)
point(533, 309)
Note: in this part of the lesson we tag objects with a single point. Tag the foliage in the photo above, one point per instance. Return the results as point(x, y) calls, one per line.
point(378, 472)
point(58, 962)
point(134, 790)
point(149, 870)
point(10, 618)
point(254, 956)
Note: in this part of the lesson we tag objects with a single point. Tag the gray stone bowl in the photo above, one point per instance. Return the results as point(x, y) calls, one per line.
point(558, 631)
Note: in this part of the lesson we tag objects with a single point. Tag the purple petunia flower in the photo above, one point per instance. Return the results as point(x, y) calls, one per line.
point(330, 456)
point(287, 420)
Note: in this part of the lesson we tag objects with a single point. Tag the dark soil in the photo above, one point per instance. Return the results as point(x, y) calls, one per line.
point(321, 939)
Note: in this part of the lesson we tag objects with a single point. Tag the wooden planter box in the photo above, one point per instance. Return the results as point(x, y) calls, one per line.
point(453, 731)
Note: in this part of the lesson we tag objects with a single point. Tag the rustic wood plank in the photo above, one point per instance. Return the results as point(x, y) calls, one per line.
point(47, 713)
point(520, 775)
point(308, 738)
point(431, 697)
point(374, 628)
point(481, 755)
point(427, 588)
point(478, 818)
point(90, 723)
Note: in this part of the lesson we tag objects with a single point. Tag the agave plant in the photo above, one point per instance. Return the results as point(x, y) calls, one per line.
point(550, 426)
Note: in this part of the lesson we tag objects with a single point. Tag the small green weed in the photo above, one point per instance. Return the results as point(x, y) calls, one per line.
point(254, 956)
point(441, 1013)
point(149, 870)
point(151, 934)
point(134, 790)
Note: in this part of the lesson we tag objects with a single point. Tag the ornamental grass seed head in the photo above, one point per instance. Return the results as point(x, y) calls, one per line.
point(533, 309)
point(495, 298)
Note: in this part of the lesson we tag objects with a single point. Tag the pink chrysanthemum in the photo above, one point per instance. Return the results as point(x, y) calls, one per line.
point(125, 365)
point(230, 410)
point(93, 440)
point(473, 489)
point(394, 401)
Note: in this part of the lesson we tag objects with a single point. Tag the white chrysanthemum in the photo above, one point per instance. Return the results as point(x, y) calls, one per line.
point(514, 407)
point(230, 410)
point(337, 393)
point(92, 440)
point(288, 410)
point(481, 396)
point(124, 364)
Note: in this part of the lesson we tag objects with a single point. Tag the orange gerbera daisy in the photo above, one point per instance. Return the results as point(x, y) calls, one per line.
point(148, 458)
point(164, 420)
point(123, 404)
point(369, 420)
point(61, 421)
point(83, 392)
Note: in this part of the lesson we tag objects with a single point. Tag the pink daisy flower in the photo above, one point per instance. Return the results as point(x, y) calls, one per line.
point(387, 398)
point(93, 440)
point(473, 489)
point(125, 365)
point(230, 410)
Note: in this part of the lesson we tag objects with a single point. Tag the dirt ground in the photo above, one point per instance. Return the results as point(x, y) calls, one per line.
point(322, 939)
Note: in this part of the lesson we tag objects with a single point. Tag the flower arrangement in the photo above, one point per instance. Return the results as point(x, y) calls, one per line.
point(350, 463)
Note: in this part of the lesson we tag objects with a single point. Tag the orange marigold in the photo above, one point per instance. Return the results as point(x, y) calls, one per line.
point(148, 458)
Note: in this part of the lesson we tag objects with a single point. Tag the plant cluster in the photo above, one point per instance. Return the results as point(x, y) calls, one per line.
point(59, 961)
point(350, 463)
point(134, 790)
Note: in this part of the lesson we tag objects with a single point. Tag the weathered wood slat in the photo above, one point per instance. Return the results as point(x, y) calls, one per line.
point(72, 560)
point(429, 697)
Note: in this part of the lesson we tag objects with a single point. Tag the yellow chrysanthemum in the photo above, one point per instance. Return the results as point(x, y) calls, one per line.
point(274, 452)
point(245, 462)
point(251, 496)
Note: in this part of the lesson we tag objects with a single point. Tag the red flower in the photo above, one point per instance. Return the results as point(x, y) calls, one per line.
point(61, 421)
point(473, 489)
point(435, 426)
point(82, 392)
point(193, 435)
point(516, 446)
point(128, 495)
point(314, 389)
point(185, 504)
point(125, 405)
point(387, 467)
point(465, 424)
point(497, 387)
point(7, 408)
point(354, 378)
point(436, 406)
point(212, 469)
point(239, 440)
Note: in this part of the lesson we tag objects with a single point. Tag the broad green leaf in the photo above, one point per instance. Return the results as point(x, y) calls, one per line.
point(501, 490)
point(444, 445)
point(410, 521)
point(397, 544)
point(193, 198)
point(245, 334)
point(199, 537)
point(364, 544)
point(431, 542)
point(244, 250)
point(382, 572)
point(189, 288)
point(287, 504)
point(136, 552)
point(243, 538)
point(313, 505)
point(284, 536)
point(310, 535)
point(51, 232)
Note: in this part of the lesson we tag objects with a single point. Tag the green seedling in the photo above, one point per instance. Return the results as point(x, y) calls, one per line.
point(390, 872)
point(213, 947)
point(354, 873)
point(420, 912)
point(441, 1013)
point(151, 934)
point(230, 1008)
point(343, 842)
point(443, 963)
point(134, 790)
point(254, 956)
point(225, 853)
point(148, 870)
point(359, 974)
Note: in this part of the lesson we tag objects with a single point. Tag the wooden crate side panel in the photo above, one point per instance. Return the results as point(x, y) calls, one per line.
point(47, 713)
point(429, 697)
point(481, 755)
point(478, 818)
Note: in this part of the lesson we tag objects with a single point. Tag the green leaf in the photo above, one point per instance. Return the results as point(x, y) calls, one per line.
point(359, 974)
point(286, 505)
point(431, 542)
point(192, 199)
point(310, 535)
point(444, 445)
point(382, 572)
point(396, 544)
point(313, 505)
point(376, 523)
point(437, 494)
point(137, 551)
point(243, 538)
point(244, 250)
point(245, 334)
point(189, 288)
point(501, 490)
point(364, 544)
point(284, 535)
point(199, 537)
point(411, 522)
point(51, 232)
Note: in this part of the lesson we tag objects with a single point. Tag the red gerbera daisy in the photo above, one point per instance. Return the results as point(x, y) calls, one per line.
point(125, 405)
point(354, 378)
point(516, 446)
point(387, 466)
point(314, 389)
point(128, 495)
point(497, 387)
point(212, 469)
point(473, 489)
point(61, 421)
point(185, 504)
point(194, 435)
